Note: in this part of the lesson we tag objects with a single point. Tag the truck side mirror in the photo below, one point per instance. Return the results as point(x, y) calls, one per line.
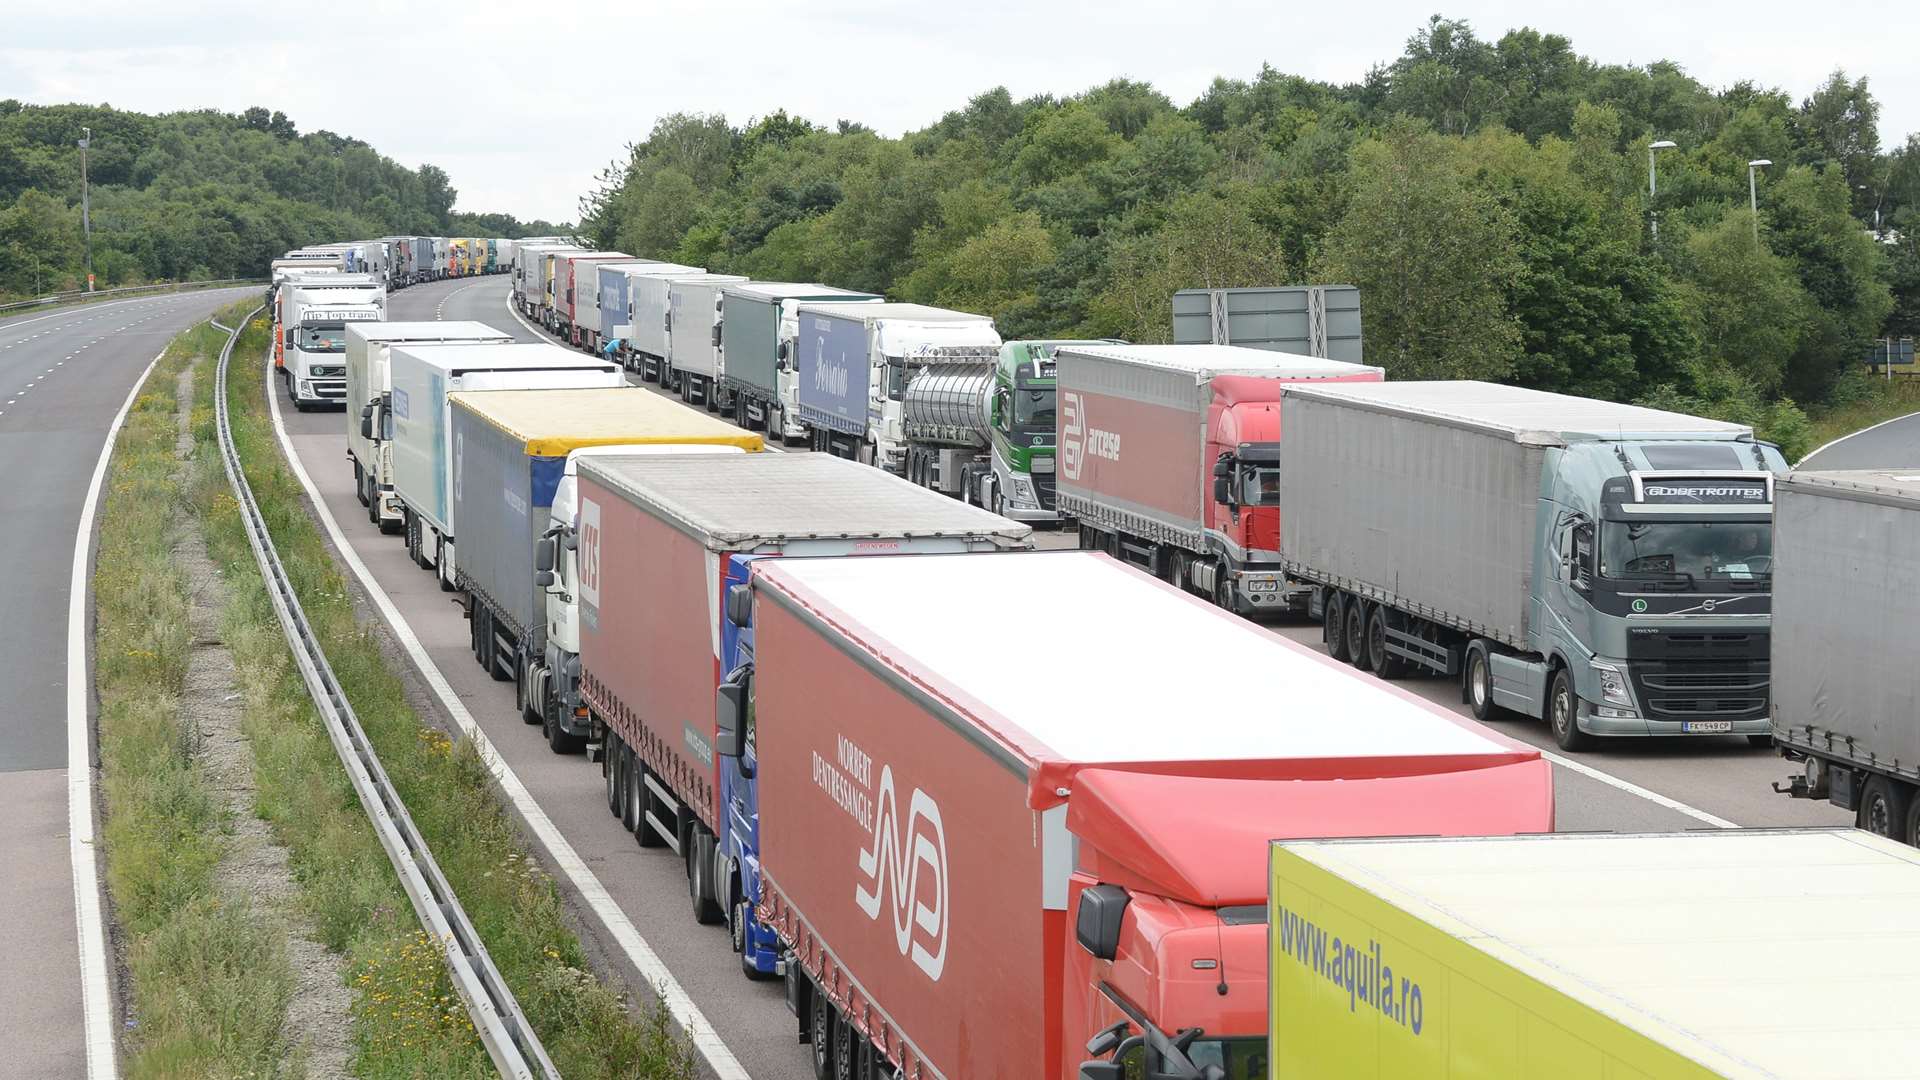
point(543, 554)
point(781, 352)
point(716, 335)
point(366, 421)
point(1108, 1038)
point(727, 707)
point(740, 606)
point(1097, 924)
point(1223, 490)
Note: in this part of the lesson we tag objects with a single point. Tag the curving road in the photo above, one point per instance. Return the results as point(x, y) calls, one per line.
point(1893, 444)
point(1639, 785)
point(63, 378)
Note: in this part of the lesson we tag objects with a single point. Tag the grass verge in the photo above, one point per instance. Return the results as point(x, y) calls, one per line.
point(408, 1020)
point(209, 981)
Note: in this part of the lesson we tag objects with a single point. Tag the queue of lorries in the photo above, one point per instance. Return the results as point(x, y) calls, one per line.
point(1017, 813)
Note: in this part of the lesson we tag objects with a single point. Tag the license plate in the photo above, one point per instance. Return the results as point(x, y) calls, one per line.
point(1707, 727)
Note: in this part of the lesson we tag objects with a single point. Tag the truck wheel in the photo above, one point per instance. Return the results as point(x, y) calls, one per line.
point(742, 916)
point(1385, 664)
point(1356, 630)
point(1563, 713)
point(1912, 835)
point(440, 563)
point(867, 1061)
point(1477, 688)
point(699, 849)
point(1885, 806)
point(1333, 625)
point(557, 738)
point(373, 507)
point(617, 786)
point(820, 1032)
point(844, 1039)
point(608, 756)
point(360, 484)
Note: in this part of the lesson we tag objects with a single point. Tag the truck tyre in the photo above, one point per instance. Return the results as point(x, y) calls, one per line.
point(373, 507)
point(360, 484)
point(867, 1061)
point(1333, 625)
point(440, 563)
point(477, 630)
point(1477, 687)
point(1912, 834)
point(1563, 713)
point(821, 1028)
point(700, 846)
point(617, 777)
point(1385, 664)
point(1356, 630)
point(844, 1040)
point(557, 738)
point(611, 775)
point(1884, 807)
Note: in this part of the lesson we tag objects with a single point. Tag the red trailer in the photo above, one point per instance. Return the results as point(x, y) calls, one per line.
point(654, 533)
point(1169, 456)
point(577, 284)
point(980, 857)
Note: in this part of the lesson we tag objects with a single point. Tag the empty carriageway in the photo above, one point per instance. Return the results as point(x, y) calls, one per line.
point(65, 379)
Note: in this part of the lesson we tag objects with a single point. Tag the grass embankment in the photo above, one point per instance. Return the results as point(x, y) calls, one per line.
point(408, 1020)
point(1886, 401)
point(209, 976)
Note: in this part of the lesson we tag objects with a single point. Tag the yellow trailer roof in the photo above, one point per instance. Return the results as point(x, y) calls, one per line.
point(1752, 953)
point(553, 422)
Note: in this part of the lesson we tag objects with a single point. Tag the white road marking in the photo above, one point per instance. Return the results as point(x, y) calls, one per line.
point(95, 1000)
point(705, 1037)
point(1632, 788)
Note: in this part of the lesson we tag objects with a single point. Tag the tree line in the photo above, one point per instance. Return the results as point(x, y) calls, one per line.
point(1489, 197)
point(199, 194)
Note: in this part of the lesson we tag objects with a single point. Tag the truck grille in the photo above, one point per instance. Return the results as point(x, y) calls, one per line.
point(1718, 691)
point(1043, 487)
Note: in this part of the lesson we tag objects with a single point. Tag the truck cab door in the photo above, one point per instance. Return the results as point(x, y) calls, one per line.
point(1564, 605)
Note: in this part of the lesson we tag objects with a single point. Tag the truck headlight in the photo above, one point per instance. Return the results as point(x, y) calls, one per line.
point(1023, 492)
point(1613, 684)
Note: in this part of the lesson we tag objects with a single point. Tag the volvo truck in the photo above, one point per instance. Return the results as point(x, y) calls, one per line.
point(1605, 567)
point(313, 313)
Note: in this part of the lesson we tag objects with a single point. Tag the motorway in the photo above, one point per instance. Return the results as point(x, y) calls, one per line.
point(1631, 786)
point(1894, 444)
point(63, 379)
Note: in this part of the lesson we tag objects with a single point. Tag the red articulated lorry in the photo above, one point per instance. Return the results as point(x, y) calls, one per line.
point(1169, 456)
point(984, 863)
point(654, 536)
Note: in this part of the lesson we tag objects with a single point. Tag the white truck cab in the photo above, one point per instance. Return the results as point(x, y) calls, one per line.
point(315, 310)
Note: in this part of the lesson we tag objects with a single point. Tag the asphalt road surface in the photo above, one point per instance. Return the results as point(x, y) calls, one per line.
point(1894, 444)
point(63, 377)
point(1718, 778)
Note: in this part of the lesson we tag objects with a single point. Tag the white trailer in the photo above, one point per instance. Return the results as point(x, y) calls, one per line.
point(368, 385)
point(693, 336)
point(425, 458)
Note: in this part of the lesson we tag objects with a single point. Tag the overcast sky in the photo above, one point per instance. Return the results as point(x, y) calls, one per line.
point(522, 102)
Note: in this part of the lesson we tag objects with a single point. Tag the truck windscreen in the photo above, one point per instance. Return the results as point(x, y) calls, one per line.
point(1665, 550)
point(322, 337)
point(1033, 406)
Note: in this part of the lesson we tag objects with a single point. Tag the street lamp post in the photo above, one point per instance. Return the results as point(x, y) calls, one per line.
point(86, 215)
point(1653, 183)
point(1753, 191)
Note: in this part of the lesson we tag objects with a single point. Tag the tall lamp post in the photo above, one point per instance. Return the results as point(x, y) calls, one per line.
point(1653, 182)
point(1753, 191)
point(86, 215)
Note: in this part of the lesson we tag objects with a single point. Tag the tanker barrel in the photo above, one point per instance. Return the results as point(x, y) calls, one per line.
point(948, 403)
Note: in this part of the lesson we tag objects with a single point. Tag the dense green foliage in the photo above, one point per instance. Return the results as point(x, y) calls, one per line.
point(199, 195)
point(1489, 198)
